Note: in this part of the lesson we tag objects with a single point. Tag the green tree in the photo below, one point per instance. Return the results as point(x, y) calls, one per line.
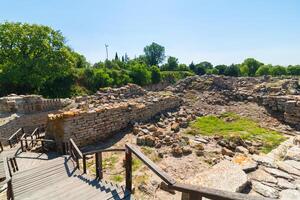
point(263, 70)
point(221, 69)
point(293, 70)
point(192, 66)
point(172, 64)
point(154, 53)
point(33, 55)
point(140, 74)
point(252, 65)
point(183, 67)
point(116, 56)
point(155, 74)
point(232, 70)
point(278, 70)
point(80, 60)
point(205, 65)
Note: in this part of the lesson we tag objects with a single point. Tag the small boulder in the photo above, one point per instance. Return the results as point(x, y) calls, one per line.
point(265, 161)
point(265, 190)
point(175, 127)
point(241, 149)
point(278, 173)
point(293, 153)
point(177, 151)
point(227, 152)
point(186, 150)
point(284, 184)
point(290, 194)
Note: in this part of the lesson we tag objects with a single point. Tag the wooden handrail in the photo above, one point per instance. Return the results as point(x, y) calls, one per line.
point(8, 180)
point(14, 136)
point(150, 164)
point(75, 152)
point(35, 132)
point(78, 152)
point(38, 140)
point(192, 192)
point(102, 150)
point(213, 193)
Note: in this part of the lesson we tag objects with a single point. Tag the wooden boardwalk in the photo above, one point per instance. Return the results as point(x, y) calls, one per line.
point(59, 179)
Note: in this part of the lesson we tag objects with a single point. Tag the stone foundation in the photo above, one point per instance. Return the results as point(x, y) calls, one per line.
point(97, 124)
point(288, 106)
point(29, 122)
point(30, 104)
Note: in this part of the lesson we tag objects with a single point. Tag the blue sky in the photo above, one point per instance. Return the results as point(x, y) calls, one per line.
point(219, 31)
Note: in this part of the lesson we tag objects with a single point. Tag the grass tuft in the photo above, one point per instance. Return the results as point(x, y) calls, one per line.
point(230, 125)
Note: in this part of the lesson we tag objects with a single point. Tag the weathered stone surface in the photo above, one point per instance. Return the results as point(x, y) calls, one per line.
point(264, 160)
point(297, 183)
point(200, 139)
point(262, 176)
point(284, 184)
point(245, 162)
point(227, 152)
point(278, 173)
point(293, 153)
point(287, 168)
point(293, 163)
point(241, 149)
point(224, 175)
point(91, 125)
point(264, 190)
point(290, 195)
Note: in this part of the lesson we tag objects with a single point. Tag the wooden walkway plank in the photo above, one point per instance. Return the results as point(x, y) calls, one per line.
point(58, 179)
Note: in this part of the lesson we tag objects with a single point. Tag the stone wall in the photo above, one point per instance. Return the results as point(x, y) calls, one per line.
point(30, 104)
point(89, 126)
point(29, 122)
point(287, 106)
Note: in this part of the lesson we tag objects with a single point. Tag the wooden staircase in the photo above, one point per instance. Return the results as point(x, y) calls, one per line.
point(60, 179)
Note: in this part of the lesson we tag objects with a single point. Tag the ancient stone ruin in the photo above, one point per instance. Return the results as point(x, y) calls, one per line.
point(27, 111)
point(160, 121)
point(100, 121)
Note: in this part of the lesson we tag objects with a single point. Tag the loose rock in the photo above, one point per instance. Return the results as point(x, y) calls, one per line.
point(265, 190)
point(290, 194)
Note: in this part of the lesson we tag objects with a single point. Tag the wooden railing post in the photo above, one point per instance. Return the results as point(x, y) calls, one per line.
point(15, 163)
point(9, 192)
point(84, 163)
point(128, 166)
point(1, 146)
point(12, 164)
point(99, 169)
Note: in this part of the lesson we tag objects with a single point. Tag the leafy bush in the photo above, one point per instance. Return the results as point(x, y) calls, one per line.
point(278, 71)
point(140, 74)
point(155, 74)
point(263, 70)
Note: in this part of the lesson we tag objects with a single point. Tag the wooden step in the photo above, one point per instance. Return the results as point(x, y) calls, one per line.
point(58, 179)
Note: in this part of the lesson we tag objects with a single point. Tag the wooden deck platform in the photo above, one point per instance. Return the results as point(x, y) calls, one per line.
point(59, 179)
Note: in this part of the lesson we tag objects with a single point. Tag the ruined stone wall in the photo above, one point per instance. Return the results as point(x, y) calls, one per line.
point(29, 122)
point(90, 126)
point(288, 106)
point(30, 104)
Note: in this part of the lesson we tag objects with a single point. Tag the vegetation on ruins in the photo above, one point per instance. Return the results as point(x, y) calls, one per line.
point(35, 59)
point(231, 125)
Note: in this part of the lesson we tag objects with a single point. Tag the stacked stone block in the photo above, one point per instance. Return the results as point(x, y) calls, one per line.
point(30, 104)
point(90, 126)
